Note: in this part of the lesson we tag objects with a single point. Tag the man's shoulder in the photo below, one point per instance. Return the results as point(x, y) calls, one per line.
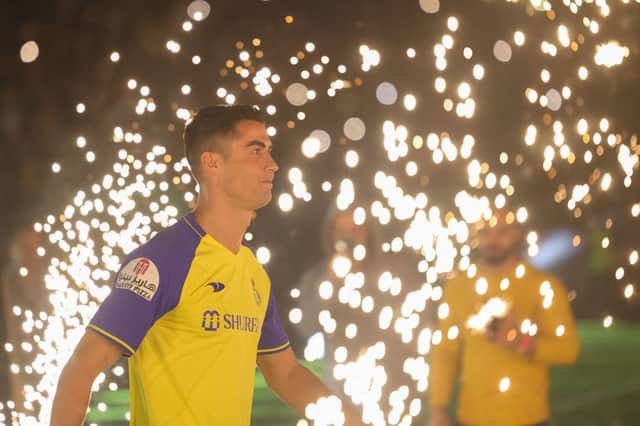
point(169, 245)
point(541, 279)
point(539, 274)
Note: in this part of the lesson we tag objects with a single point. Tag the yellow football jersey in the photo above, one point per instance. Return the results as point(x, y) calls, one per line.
point(499, 386)
point(192, 316)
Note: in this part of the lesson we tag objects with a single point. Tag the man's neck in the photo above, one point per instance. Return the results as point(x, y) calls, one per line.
point(223, 222)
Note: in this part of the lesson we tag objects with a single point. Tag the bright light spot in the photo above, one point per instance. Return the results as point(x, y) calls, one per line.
point(263, 255)
point(354, 128)
point(583, 73)
point(285, 202)
point(482, 286)
point(411, 168)
point(29, 52)
point(505, 384)
point(563, 36)
point(554, 100)
point(464, 90)
point(325, 290)
point(410, 102)
point(452, 23)
point(173, 46)
point(341, 266)
point(310, 147)
point(628, 291)
point(430, 6)
point(295, 315)
point(352, 158)
point(478, 72)
point(610, 54)
point(297, 94)
point(502, 51)
point(386, 93)
point(198, 10)
point(605, 183)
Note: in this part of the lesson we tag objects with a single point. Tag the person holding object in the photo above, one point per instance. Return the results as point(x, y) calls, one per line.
point(502, 328)
point(192, 309)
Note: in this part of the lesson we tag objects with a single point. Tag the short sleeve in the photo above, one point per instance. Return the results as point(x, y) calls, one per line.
point(273, 338)
point(139, 297)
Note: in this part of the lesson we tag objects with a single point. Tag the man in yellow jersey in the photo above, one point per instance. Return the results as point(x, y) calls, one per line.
point(501, 330)
point(192, 309)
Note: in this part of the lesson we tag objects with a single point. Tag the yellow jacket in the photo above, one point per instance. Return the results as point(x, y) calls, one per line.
point(483, 366)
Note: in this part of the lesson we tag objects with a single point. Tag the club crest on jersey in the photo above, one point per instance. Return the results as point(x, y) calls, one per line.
point(256, 294)
point(216, 287)
point(139, 276)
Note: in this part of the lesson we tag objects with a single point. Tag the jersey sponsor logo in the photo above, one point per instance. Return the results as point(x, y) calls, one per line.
point(139, 276)
point(212, 320)
point(216, 287)
point(141, 266)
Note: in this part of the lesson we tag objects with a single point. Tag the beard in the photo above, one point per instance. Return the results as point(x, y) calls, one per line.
point(494, 255)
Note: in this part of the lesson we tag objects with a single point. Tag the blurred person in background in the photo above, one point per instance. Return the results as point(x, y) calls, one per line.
point(340, 312)
point(344, 243)
point(502, 328)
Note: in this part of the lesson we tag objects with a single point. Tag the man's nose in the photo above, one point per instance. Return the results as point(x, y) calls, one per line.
point(272, 165)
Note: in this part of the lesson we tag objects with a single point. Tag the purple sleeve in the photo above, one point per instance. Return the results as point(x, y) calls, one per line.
point(141, 294)
point(273, 337)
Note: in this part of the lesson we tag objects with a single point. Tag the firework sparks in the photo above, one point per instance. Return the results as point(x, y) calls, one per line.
point(146, 187)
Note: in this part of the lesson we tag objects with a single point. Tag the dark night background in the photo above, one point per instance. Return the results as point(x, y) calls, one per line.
point(39, 124)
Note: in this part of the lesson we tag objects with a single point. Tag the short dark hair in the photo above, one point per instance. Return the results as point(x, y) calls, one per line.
point(201, 131)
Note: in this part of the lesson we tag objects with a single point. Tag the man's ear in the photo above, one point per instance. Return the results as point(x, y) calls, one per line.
point(210, 162)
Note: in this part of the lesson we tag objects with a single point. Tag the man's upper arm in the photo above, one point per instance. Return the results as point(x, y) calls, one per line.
point(93, 354)
point(277, 365)
point(141, 294)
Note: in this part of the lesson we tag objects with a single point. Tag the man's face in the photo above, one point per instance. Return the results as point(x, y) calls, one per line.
point(499, 242)
point(246, 176)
